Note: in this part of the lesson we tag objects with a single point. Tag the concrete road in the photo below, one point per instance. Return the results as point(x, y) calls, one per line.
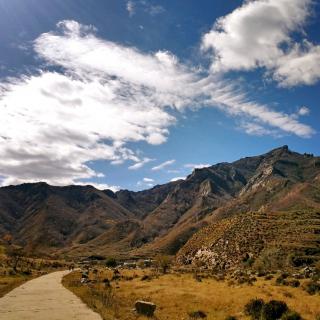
point(44, 298)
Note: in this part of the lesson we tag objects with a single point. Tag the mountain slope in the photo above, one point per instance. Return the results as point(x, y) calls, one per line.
point(276, 214)
point(276, 191)
point(40, 216)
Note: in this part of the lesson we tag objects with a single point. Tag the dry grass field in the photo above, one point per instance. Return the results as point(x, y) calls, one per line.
point(8, 283)
point(179, 294)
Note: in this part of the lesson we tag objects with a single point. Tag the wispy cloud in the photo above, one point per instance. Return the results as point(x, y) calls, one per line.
point(163, 165)
point(146, 182)
point(196, 165)
point(155, 9)
point(54, 124)
point(139, 164)
point(100, 186)
point(135, 5)
point(255, 129)
point(177, 179)
point(130, 8)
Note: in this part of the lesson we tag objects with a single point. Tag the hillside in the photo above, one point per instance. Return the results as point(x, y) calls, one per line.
point(43, 217)
point(275, 219)
point(271, 198)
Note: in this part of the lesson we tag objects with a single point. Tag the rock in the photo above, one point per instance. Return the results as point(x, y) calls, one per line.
point(145, 308)
point(197, 314)
point(308, 272)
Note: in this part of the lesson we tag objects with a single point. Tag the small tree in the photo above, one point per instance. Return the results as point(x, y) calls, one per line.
point(13, 252)
point(163, 263)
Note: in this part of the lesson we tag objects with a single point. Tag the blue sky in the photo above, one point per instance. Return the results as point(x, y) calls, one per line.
point(129, 94)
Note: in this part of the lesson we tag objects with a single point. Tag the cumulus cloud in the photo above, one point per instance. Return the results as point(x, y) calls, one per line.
point(303, 111)
point(148, 180)
point(299, 67)
point(259, 34)
point(163, 165)
point(54, 124)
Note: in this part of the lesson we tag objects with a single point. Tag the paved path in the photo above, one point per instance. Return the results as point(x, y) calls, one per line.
point(44, 298)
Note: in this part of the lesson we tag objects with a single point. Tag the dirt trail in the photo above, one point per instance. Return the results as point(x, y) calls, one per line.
point(44, 298)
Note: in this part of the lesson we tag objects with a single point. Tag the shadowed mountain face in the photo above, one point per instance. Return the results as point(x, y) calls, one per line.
point(277, 191)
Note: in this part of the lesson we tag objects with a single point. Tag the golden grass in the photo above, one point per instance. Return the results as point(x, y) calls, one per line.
point(8, 283)
point(176, 295)
point(27, 269)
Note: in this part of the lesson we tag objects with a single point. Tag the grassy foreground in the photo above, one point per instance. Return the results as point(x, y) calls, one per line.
point(177, 295)
point(8, 283)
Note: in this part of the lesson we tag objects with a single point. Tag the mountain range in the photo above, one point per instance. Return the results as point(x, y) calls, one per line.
point(219, 216)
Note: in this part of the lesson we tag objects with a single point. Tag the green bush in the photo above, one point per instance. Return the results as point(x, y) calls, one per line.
point(273, 310)
point(282, 279)
point(312, 287)
point(253, 308)
point(257, 309)
point(294, 283)
point(111, 263)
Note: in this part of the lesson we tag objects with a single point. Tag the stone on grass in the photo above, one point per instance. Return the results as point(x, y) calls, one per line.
point(145, 308)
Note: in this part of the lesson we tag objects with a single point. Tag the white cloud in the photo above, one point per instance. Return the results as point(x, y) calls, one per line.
point(145, 6)
point(255, 129)
point(163, 165)
point(100, 186)
point(197, 165)
point(173, 171)
point(258, 34)
point(299, 67)
point(140, 164)
point(303, 111)
point(155, 10)
point(130, 8)
point(53, 125)
point(146, 182)
point(177, 179)
point(227, 99)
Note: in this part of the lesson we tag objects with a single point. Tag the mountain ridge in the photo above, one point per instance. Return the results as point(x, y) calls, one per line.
point(81, 220)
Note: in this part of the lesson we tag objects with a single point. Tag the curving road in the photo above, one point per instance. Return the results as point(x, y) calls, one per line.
point(44, 298)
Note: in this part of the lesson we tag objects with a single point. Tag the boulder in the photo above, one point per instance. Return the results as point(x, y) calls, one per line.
point(145, 308)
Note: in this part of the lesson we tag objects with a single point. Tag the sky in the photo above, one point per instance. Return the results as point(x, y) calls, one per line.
point(130, 94)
